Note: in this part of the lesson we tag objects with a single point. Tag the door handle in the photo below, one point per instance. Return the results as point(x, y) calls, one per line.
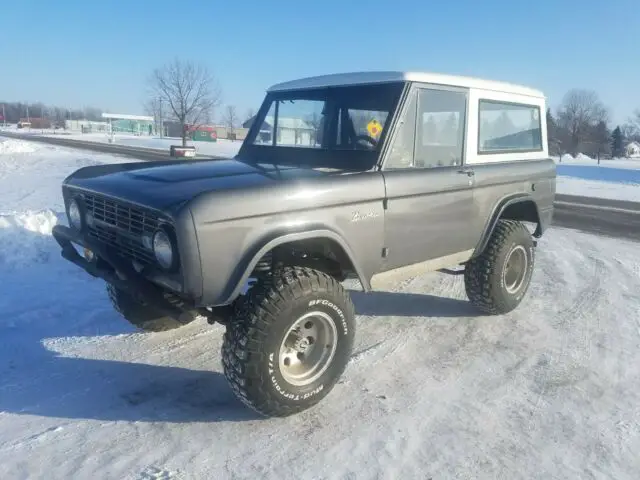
point(466, 171)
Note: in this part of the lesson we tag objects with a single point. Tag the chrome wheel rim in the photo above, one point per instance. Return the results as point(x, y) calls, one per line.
point(308, 348)
point(515, 269)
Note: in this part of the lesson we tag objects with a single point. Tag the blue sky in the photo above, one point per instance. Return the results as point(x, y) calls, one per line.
point(80, 53)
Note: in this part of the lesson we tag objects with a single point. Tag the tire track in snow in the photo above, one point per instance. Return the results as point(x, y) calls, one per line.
point(28, 442)
point(636, 271)
point(157, 473)
point(553, 372)
point(435, 284)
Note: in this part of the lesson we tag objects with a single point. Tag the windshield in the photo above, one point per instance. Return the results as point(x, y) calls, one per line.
point(341, 127)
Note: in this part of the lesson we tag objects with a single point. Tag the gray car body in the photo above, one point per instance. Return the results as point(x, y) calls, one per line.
point(228, 213)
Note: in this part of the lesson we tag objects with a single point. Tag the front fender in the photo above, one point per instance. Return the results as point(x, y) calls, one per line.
point(246, 266)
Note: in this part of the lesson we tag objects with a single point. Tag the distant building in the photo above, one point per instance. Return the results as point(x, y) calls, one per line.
point(236, 134)
point(247, 123)
point(173, 129)
point(86, 126)
point(632, 150)
point(126, 123)
point(291, 131)
point(34, 122)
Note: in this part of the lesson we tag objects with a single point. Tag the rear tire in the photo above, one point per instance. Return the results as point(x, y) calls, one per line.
point(144, 316)
point(497, 280)
point(290, 341)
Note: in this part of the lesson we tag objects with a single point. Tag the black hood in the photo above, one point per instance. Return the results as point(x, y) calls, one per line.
point(163, 185)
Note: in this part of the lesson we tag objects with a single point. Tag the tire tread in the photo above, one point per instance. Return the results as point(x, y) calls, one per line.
point(243, 354)
point(479, 272)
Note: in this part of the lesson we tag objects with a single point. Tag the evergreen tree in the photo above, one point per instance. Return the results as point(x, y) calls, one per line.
point(617, 143)
point(553, 137)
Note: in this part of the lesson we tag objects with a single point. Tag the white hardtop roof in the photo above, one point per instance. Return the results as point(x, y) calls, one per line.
point(360, 78)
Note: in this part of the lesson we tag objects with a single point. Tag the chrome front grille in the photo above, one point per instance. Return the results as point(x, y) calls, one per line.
point(121, 226)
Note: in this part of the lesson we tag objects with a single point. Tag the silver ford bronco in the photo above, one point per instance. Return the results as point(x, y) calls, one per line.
point(372, 175)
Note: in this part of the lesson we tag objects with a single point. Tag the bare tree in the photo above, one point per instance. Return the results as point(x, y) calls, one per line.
point(189, 91)
point(631, 129)
point(153, 108)
point(600, 140)
point(230, 118)
point(315, 122)
point(579, 113)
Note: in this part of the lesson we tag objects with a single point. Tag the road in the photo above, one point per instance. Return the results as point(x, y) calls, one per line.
point(612, 218)
point(139, 153)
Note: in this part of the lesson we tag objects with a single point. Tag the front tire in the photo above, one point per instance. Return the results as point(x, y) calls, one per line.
point(290, 342)
point(497, 280)
point(144, 316)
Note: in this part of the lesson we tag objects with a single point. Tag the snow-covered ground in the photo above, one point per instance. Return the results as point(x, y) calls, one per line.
point(593, 188)
point(585, 160)
point(31, 173)
point(433, 390)
point(617, 179)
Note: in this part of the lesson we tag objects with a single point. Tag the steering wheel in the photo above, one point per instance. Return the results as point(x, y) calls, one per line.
point(367, 138)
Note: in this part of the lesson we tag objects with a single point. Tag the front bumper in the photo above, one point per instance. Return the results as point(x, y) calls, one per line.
point(114, 270)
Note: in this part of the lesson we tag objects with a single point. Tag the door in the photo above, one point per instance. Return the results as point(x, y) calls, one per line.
point(429, 190)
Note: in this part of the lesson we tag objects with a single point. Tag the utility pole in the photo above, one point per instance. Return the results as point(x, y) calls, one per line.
point(4, 117)
point(161, 124)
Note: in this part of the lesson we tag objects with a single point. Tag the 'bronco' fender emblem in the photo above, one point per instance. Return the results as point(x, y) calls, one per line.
point(357, 216)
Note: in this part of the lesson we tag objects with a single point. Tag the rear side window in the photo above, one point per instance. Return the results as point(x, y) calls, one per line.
point(508, 127)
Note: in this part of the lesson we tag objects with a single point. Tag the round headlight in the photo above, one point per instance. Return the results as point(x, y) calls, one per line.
point(163, 249)
point(75, 215)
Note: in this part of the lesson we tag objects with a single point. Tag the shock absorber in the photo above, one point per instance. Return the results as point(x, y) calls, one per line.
point(263, 267)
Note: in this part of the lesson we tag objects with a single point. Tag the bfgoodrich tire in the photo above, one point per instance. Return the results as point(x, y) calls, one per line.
point(290, 341)
point(144, 316)
point(497, 281)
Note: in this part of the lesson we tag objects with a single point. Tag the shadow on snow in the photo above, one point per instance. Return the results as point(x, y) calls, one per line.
point(37, 381)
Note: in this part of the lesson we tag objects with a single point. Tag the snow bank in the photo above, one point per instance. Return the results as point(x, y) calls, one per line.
point(581, 157)
point(568, 158)
point(9, 146)
point(25, 238)
point(30, 180)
